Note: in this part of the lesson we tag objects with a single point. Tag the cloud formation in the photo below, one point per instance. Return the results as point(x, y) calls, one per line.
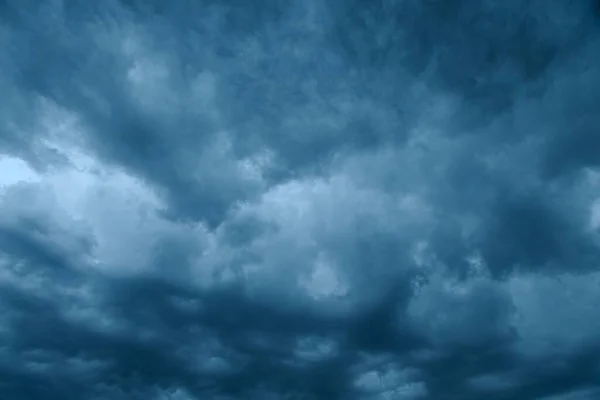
point(299, 200)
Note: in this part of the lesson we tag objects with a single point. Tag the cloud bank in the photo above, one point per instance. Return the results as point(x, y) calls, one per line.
point(299, 200)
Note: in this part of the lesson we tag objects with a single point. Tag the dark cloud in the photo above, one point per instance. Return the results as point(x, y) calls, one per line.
point(299, 200)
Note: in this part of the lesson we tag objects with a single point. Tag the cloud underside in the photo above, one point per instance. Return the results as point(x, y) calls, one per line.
point(299, 200)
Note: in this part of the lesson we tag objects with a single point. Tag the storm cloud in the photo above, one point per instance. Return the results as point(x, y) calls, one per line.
point(299, 199)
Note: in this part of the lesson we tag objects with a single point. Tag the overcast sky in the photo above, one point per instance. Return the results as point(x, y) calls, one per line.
point(300, 200)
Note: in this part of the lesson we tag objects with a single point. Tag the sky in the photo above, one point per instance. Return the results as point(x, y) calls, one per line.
point(299, 200)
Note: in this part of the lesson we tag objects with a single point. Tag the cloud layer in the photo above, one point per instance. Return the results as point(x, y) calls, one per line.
point(299, 200)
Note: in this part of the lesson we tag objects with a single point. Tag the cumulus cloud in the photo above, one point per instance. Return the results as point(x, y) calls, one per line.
point(299, 200)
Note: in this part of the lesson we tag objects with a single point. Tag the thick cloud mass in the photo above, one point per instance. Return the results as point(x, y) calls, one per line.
point(310, 199)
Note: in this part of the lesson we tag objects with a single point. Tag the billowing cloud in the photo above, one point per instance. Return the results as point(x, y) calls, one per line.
point(299, 200)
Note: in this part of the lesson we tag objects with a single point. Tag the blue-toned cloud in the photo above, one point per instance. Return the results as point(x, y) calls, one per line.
point(299, 200)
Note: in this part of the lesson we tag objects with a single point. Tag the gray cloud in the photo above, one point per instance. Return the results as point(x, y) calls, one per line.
point(300, 200)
